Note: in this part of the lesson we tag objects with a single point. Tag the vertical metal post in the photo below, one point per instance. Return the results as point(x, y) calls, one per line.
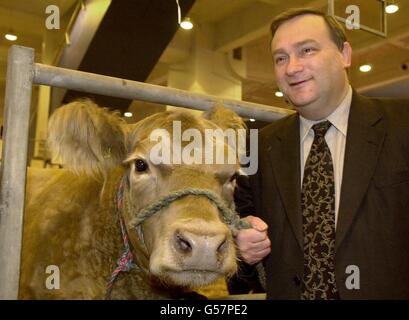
point(13, 166)
point(331, 10)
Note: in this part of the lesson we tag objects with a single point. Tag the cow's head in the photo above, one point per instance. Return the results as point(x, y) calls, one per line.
point(186, 243)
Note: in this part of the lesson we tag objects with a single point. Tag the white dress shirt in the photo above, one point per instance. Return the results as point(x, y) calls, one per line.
point(335, 138)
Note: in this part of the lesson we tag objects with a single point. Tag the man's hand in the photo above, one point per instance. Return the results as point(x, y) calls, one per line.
point(253, 243)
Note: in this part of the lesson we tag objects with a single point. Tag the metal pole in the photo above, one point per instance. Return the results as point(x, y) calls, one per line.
point(13, 166)
point(331, 10)
point(22, 72)
point(134, 90)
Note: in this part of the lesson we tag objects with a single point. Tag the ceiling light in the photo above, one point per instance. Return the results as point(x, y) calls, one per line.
point(279, 94)
point(10, 37)
point(128, 114)
point(391, 8)
point(186, 24)
point(365, 68)
point(252, 120)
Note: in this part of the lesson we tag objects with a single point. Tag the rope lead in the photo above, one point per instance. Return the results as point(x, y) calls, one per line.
point(229, 216)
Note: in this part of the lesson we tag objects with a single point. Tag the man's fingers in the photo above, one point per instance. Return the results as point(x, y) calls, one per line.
point(250, 251)
point(261, 254)
point(251, 236)
point(253, 243)
point(258, 246)
point(256, 256)
point(257, 223)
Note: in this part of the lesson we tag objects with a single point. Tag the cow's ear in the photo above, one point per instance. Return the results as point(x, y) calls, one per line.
point(87, 138)
point(224, 118)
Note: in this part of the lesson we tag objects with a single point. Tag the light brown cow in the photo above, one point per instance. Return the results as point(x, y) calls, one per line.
point(71, 218)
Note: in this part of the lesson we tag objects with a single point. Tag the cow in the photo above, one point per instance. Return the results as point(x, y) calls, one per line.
point(113, 223)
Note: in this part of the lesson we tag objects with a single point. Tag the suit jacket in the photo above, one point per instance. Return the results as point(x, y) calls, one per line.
point(372, 234)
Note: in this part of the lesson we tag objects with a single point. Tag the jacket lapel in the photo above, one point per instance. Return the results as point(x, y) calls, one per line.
point(284, 153)
point(365, 138)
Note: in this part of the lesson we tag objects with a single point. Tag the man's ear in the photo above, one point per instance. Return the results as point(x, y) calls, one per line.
point(224, 118)
point(347, 54)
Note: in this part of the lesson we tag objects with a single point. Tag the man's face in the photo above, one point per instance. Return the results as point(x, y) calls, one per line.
point(309, 68)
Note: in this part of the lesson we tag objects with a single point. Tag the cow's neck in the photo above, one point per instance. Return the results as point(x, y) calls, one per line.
point(140, 255)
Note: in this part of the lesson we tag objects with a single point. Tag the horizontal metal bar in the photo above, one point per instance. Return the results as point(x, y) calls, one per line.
point(134, 90)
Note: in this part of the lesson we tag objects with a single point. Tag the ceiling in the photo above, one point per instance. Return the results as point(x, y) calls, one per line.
point(115, 47)
point(140, 40)
point(245, 24)
point(26, 19)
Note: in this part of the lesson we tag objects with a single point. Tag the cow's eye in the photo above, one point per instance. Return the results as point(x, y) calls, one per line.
point(141, 165)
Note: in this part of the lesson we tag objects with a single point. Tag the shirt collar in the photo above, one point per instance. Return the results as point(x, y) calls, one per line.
point(338, 118)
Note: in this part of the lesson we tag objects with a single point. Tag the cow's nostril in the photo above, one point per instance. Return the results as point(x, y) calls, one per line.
point(182, 244)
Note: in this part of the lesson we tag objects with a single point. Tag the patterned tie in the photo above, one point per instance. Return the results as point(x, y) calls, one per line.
point(318, 210)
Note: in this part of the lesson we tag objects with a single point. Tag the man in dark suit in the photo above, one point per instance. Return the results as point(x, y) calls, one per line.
point(333, 179)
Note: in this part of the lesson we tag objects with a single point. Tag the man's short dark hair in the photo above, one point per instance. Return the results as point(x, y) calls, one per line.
point(337, 32)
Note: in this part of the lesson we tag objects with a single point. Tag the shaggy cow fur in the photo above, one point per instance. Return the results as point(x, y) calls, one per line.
point(71, 219)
